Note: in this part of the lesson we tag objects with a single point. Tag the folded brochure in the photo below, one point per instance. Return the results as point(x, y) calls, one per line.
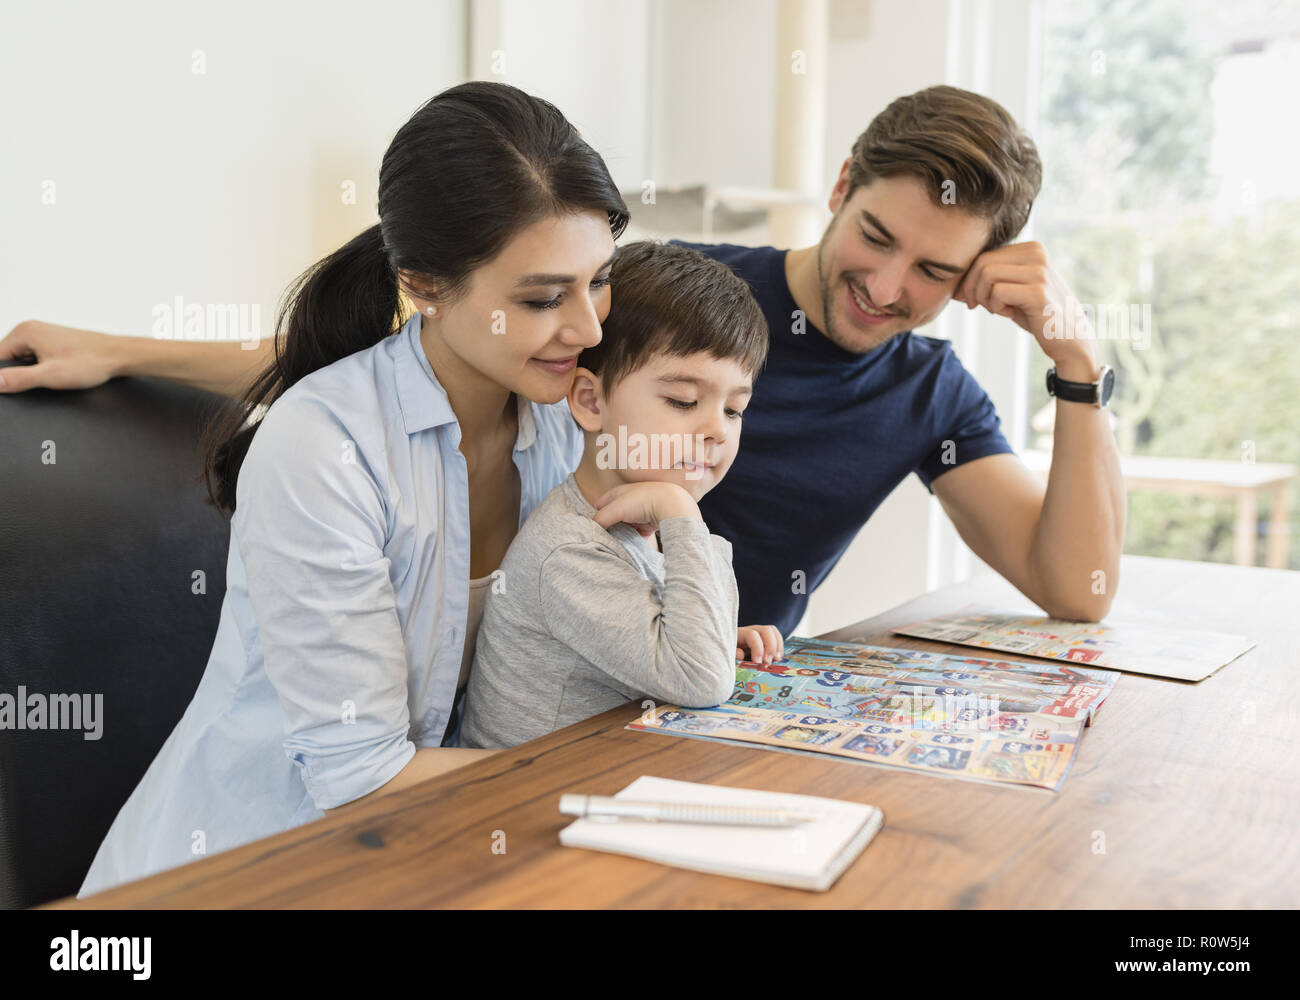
point(1183, 654)
point(979, 720)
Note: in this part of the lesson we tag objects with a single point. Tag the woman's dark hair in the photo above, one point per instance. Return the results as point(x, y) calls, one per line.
point(473, 166)
point(675, 301)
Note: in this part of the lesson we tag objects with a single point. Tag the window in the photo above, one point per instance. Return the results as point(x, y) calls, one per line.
point(1171, 205)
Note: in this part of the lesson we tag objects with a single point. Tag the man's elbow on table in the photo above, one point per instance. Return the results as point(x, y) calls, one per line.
point(1090, 606)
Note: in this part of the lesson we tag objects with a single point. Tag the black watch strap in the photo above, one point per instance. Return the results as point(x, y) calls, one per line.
point(1093, 393)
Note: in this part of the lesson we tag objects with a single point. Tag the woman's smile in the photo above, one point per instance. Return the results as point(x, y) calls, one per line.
point(557, 366)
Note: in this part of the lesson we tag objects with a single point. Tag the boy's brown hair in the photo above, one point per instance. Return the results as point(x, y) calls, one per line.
point(948, 135)
point(672, 300)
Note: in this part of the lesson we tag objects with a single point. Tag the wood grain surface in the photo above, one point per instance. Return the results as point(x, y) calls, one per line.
point(1182, 795)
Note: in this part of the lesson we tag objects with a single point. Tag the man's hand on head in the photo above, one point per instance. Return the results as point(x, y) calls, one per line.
point(1017, 281)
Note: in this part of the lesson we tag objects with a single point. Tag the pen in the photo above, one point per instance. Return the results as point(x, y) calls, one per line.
point(603, 807)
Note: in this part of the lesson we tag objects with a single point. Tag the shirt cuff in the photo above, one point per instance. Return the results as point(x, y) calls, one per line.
point(333, 783)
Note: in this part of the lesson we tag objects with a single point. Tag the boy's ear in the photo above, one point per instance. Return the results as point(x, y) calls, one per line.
point(585, 399)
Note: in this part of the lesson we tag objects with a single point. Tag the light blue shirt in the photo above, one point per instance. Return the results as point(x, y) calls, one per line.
point(342, 629)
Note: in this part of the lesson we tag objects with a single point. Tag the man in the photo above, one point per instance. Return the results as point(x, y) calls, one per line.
point(851, 401)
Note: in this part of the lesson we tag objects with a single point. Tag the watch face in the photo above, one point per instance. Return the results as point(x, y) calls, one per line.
point(1107, 384)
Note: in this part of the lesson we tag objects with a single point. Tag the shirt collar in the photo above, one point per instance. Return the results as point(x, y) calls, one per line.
point(527, 425)
point(580, 503)
point(423, 400)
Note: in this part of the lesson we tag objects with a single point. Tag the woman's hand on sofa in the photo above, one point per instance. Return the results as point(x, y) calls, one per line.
point(66, 358)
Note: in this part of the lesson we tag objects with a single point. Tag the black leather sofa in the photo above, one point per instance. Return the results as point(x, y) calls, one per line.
point(99, 551)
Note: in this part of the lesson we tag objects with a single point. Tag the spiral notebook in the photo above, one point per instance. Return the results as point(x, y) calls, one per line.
point(807, 856)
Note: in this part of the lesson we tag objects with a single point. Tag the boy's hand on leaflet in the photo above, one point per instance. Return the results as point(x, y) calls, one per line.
point(644, 505)
point(763, 643)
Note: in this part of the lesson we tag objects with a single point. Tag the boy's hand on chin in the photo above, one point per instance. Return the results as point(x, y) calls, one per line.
point(763, 642)
point(644, 505)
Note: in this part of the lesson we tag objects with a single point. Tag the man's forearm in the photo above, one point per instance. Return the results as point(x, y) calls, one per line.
point(1076, 547)
point(224, 367)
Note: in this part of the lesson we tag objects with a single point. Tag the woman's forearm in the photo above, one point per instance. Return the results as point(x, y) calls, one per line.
point(428, 762)
point(52, 356)
point(224, 367)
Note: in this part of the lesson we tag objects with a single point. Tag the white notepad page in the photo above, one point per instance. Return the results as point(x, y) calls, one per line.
point(805, 856)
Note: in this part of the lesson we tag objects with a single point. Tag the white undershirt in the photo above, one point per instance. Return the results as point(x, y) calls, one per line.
point(478, 591)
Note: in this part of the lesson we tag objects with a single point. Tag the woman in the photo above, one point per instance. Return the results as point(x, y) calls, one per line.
point(379, 492)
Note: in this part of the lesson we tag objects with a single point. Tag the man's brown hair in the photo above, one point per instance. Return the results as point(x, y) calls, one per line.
point(948, 135)
point(672, 300)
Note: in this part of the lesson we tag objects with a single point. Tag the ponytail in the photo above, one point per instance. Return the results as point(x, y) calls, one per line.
point(338, 306)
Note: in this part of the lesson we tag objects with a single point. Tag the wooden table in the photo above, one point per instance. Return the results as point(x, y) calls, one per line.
point(1183, 795)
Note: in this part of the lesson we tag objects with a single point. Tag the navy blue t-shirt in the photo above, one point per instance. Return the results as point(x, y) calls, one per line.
point(826, 437)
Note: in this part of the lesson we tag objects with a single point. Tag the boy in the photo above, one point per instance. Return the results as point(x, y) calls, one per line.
point(614, 588)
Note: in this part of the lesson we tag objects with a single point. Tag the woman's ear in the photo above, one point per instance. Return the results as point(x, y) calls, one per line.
point(585, 400)
point(423, 292)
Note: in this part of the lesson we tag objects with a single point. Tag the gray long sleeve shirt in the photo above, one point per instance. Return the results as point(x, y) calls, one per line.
point(583, 619)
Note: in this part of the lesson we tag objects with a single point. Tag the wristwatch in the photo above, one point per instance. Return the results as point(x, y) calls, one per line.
point(1096, 393)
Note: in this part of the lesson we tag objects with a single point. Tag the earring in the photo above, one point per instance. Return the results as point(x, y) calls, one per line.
point(431, 310)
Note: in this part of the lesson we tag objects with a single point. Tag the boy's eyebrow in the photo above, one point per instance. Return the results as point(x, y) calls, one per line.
point(744, 390)
point(529, 280)
point(937, 265)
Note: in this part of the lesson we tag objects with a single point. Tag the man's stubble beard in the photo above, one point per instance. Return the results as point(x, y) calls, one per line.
point(833, 334)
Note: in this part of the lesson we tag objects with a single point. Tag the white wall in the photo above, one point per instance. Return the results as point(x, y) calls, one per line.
point(592, 60)
point(716, 88)
point(217, 187)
